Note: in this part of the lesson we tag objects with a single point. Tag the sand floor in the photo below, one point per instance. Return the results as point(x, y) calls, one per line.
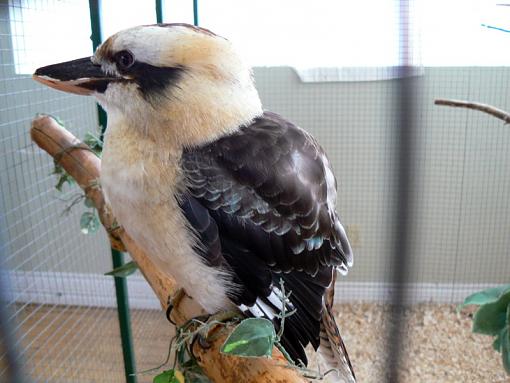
point(65, 344)
point(439, 345)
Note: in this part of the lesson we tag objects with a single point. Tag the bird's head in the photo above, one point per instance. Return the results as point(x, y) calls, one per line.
point(171, 80)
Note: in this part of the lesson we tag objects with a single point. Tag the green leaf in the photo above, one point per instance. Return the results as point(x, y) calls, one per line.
point(508, 315)
point(63, 179)
point(505, 349)
point(169, 376)
point(253, 337)
point(496, 345)
point(89, 223)
point(124, 270)
point(57, 169)
point(93, 142)
point(498, 340)
point(490, 318)
point(89, 202)
point(485, 296)
point(182, 356)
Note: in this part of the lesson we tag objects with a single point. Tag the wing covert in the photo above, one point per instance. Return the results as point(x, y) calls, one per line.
point(276, 176)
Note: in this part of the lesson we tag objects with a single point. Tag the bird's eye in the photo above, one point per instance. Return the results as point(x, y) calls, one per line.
point(124, 59)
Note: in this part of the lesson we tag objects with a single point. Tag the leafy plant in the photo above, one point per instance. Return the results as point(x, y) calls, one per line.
point(256, 337)
point(493, 318)
point(89, 220)
point(123, 271)
point(185, 368)
point(253, 337)
point(94, 143)
point(63, 177)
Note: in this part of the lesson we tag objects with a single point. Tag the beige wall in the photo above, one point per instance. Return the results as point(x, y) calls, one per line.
point(461, 228)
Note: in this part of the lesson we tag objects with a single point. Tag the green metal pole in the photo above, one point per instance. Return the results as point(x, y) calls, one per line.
point(195, 12)
point(96, 37)
point(159, 11)
point(121, 290)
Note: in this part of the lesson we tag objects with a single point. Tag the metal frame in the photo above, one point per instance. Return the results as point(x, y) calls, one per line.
point(121, 290)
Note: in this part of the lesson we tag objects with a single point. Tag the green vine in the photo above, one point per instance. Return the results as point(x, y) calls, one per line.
point(89, 220)
point(251, 338)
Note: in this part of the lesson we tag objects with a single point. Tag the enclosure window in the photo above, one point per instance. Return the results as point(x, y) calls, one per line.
point(46, 32)
point(327, 33)
point(356, 33)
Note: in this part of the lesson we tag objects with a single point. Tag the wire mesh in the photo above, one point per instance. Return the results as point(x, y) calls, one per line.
point(48, 265)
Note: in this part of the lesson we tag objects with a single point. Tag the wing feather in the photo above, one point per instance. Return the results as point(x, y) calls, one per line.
point(275, 175)
point(262, 203)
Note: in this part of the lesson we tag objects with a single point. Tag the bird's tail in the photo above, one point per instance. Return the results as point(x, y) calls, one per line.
point(332, 348)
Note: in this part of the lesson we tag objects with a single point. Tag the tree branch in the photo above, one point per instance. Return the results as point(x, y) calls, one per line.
point(489, 109)
point(84, 167)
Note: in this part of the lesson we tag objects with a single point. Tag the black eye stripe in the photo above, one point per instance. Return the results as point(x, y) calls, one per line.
point(153, 80)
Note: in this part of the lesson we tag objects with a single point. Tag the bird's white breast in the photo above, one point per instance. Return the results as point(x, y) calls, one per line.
point(140, 185)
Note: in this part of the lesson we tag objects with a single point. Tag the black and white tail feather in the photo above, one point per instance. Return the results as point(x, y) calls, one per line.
point(332, 348)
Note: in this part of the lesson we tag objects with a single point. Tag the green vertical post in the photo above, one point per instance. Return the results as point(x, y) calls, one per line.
point(159, 11)
point(195, 12)
point(95, 26)
point(121, 290)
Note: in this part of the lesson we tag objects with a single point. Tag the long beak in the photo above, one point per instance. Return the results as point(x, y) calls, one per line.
point(79, 76)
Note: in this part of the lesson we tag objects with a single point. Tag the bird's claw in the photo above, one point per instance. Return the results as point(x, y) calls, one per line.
point(202, 340)
point(212, 322)
point(174, 301)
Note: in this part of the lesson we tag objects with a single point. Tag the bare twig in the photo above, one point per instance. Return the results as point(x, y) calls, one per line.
point(489, 109)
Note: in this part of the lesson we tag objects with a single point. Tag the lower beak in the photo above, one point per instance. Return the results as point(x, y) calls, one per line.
point(79, 76)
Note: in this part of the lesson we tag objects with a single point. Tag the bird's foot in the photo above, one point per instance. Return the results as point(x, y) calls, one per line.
point(173, 301)
point(224, 317)
point(220, 318)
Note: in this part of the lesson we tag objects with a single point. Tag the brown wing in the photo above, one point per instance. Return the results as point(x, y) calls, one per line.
point(262, 201)
point(275, 175)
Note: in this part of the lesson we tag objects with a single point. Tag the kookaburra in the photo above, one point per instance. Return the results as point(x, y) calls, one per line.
point(227, 198)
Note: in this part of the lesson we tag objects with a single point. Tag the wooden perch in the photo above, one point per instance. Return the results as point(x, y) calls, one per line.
point(84, 166)
point(489, 109)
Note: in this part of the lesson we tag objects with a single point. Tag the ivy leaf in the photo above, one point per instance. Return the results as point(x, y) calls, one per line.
point(253, 337)
point(169, 376)
point(498, 341)
point(485, 296)
point(89, 223)
point(505, 349)
point(124, 270)
point(491, 318)
point(93, 142)
point(63, 179)
point(183, 358)
point(496, 345)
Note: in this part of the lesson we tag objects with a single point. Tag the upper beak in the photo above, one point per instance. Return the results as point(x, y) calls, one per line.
point(79, 76)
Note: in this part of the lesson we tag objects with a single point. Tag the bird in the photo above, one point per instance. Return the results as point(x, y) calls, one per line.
point(232, 201)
